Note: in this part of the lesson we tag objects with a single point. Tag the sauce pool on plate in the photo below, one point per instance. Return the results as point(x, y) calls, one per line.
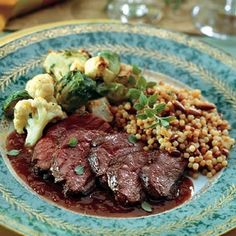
point(98, 203)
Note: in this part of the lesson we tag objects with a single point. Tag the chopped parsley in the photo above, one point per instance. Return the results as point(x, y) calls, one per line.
point(13, 152)
point(132, 138)
point(73, 142)
point(79, 170)
point(146, 206)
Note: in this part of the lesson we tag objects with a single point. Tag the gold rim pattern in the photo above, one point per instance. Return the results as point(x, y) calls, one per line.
point(9, 46)
point(168, 227)
point(112, 26)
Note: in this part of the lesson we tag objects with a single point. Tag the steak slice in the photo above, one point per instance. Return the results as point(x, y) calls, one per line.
point(57, 133)
point(123, 176)
point(67, 158)
point(63, 169)
point(77, 121)
point(42, 155)
point(106, 148)
point(160, 178)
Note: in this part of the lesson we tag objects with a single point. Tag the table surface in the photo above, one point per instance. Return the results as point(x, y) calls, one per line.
point(229, 46)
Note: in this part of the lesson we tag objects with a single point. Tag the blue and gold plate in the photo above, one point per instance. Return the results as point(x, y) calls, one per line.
point(211, 211)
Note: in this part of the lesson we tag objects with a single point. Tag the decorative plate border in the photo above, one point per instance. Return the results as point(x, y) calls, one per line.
point(112, 26)
point(206, 75)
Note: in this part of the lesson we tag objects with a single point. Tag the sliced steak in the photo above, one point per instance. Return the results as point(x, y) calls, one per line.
point(160, 178)
point(85, 121)
point(53, 152)
point(106, 148)
point(57, 133)
point(123, 176)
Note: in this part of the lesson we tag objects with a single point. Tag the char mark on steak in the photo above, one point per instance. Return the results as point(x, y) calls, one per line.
point(106, 148)
point(161, 177)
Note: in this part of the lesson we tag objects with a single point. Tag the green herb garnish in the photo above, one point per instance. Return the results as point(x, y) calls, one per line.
point(146, 206)
point(132, 138)
point(160, 107)
point(138, 106)
point(73, 142)
point(148, 108)
point(143, 100)
point(141, 83)
point(79, 170)
point(150, 112)
point(152, 100)
point(13, 152)
point(151, 84)
point(136, 70)
point(146, 105)
point(134, 93)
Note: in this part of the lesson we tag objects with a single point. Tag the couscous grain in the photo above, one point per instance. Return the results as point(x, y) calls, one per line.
point(198, 133)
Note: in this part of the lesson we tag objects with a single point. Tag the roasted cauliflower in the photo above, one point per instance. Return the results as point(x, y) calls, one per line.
point(41, 85)
point(59, 63)
point(101, 108)
point(33, 115)
point(106, 66)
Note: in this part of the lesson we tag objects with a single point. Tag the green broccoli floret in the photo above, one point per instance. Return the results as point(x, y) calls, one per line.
point(10, 102)
point(74, 90)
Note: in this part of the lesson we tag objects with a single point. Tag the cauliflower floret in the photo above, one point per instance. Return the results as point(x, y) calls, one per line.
point(97, 67)
point(22, 111)
point(101, 108)
point(41, 85)
point(34, 115)
point(79, 62)
point(125, 70)
point(77, 65)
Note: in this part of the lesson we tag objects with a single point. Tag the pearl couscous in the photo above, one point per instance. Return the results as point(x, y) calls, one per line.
point(198, 133)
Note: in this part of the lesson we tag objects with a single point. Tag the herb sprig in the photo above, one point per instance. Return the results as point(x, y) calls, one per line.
point(132, 138)
point(79, 170)
point(148, 107)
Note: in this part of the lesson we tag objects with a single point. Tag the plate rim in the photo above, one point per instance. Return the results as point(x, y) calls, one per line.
point(204, 47)
point(17, 35)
